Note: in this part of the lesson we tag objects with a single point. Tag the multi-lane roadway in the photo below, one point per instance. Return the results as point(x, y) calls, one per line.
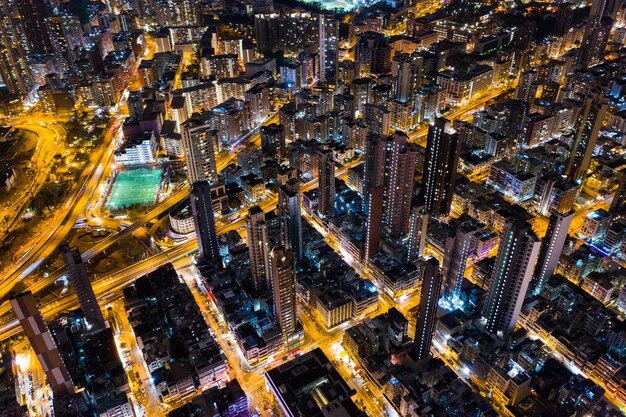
point(106, 286)
point(105, 243)
point(460, 113)
point(91, 178)
point(49, 137)
point(65, 217)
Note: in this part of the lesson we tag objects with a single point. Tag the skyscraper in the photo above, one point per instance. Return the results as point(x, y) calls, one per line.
point(510, 277)
point(289, 200)
point(176, 12)
point(187, 13)
point(65, 34)
point(619, 198)
point(374, 165)
point(427, 313)
point(460, 244)
point(80, 281)
point(266, 31)
point(597, 31)
point(612, 8)
point(377, 118)
point(406, 71)
point(526, 89)
point(16, 80)
point(372, 54)
point(14, 69)
point(390, 163)
point(328, 48)
point(400, 179)
point(283, 279)
point(41, 340)
point(556, 193)
point(273, 140)
point(263, 6)
point(374, 197)
point(204, 219)
point(32, 14)
point(418, 226)
point(564, 18)
point(551, 248)
point(590, 118)
point(326, 181)
point(198, 142)
point(258, 247)
point(442, 158)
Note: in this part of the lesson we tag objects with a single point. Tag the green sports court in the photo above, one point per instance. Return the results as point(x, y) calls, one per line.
point(136, 186)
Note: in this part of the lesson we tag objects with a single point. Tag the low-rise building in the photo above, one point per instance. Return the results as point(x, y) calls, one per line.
point(578, 264)
point(137, 151)
point(375, 340)
point(462, 87)
point(298, 385)
point(7, 178)
point(181, 220)
point(553, 192)
point(254, 188)
point(334, 308)
point(95, 368)
point(9, 404)
point(232, 119)
point(162, 309)
point(229, 401)
point(600, 286)
point(595, 225)
point(395, 277)
point(171, 140)
point(515, 185)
